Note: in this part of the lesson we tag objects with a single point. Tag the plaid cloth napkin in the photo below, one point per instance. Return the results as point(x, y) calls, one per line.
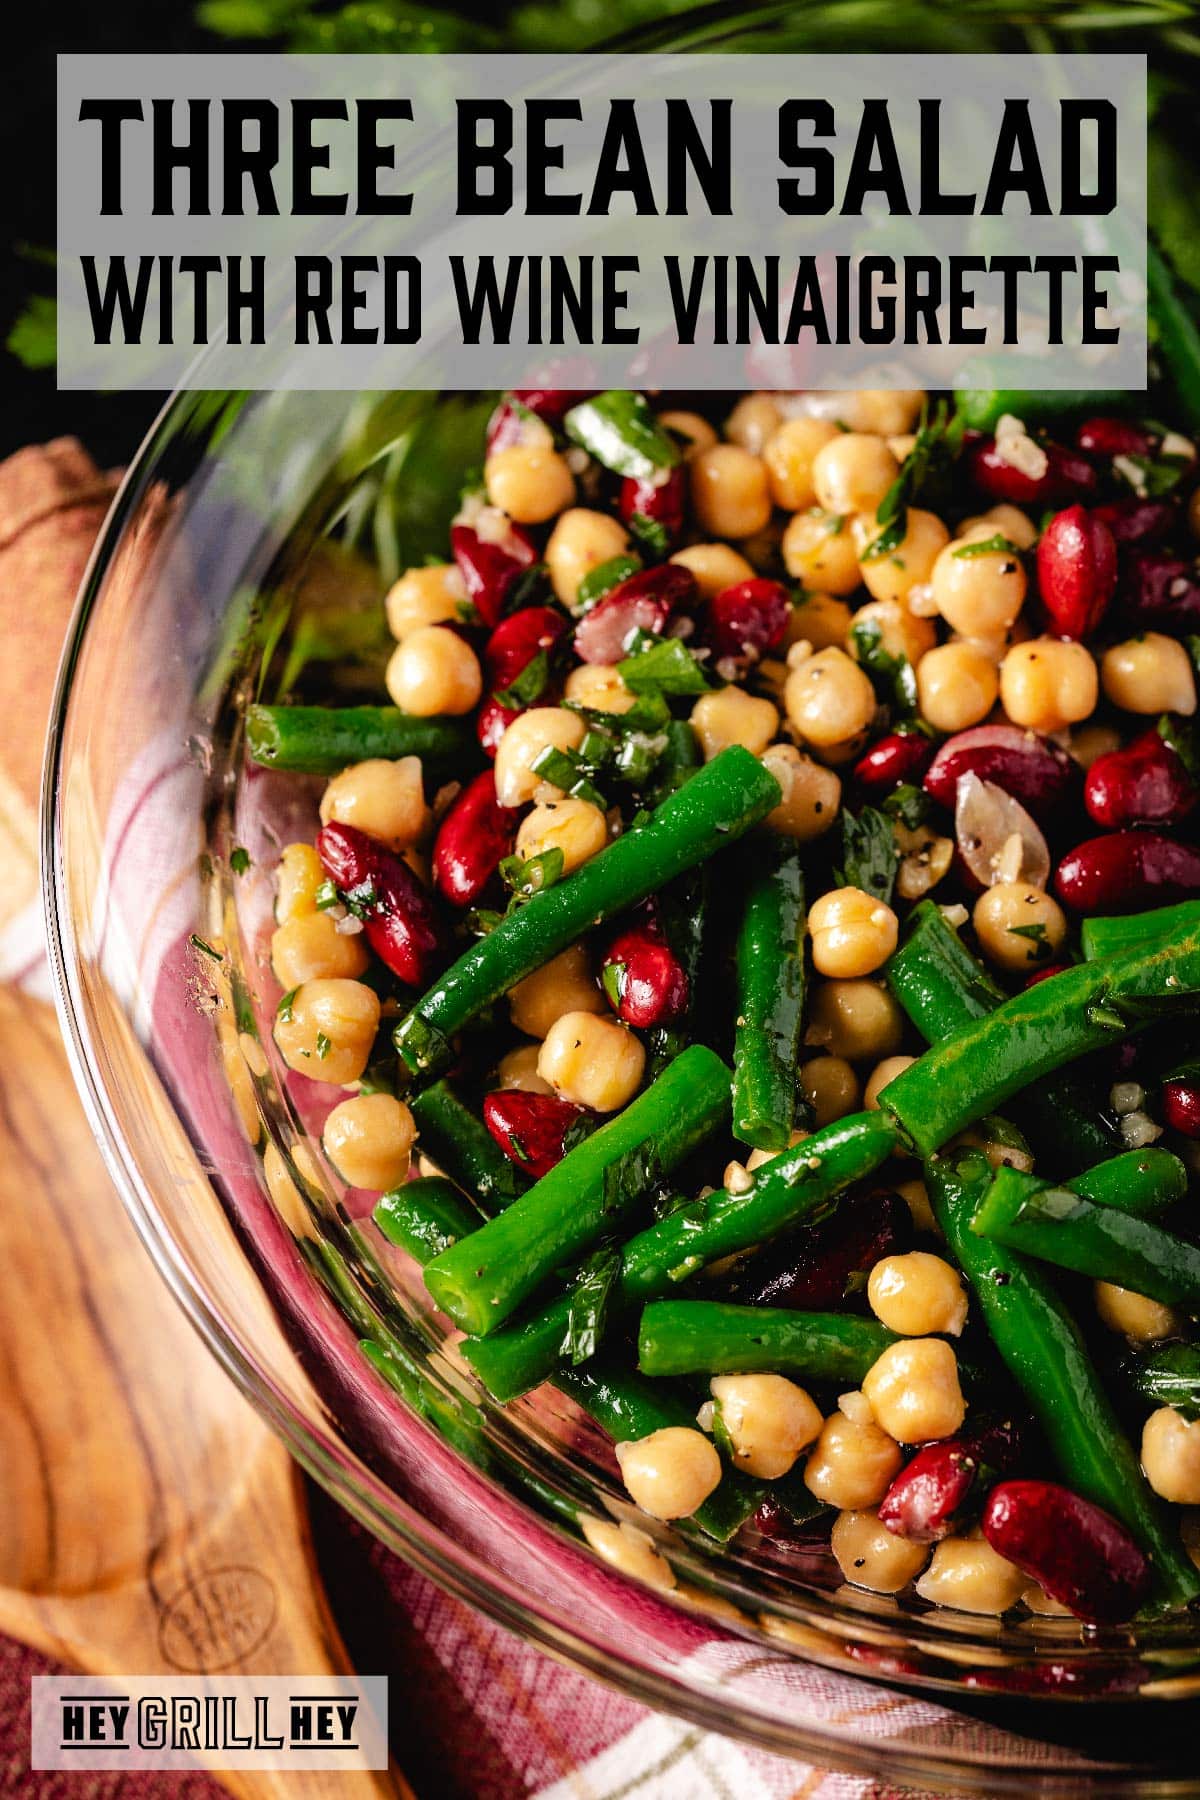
point(477, 1713)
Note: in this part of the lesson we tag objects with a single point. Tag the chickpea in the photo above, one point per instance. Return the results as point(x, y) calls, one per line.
point(593, 1061)
point(541, 728)
point(852, 933)
point(901, 633)
point(829, 700)
point(384, 799)
point(1038, 1601)
point(769, 1421)
point(628, 1549)
point(915, 1196)
point(732, 716)
point(789, 455)
point(730, 495)
point(285, 1195)
point(599, 686)
point(1046, 684)
point(754, 419)
point(1091, 742)
point(529, 482)
point(1149, 674)
point(1018, 926)
point(811, 794)
point(671, 1472)
point(434, 671)
point(580, 542)
point(698, 432)
point(1171, 1456)
point(888, 411)
point(328, 1028)
point(853, 472)
point(956, 686)
point(575, 827)
point(299, 876)
point(715, 566)
point(917, 1294)
point(831, 1087)
point(913, 1390)
point(368, 1139)
point(238, 1078)
point(872, 1557)
point(518, 1069)
point(978, 595)
point(855, 1020)
point(820, 619)
point(818, 550)
point(1008, 520)
point(880, 1075)
point(967, 1574)
point(311, 947)
point(563, 985)
point(910, 563)
point(424, 596)
point(852, 1464)
point(758, 1157)
point(1136, 1316)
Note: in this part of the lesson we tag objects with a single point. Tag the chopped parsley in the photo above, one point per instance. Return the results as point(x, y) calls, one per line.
point(284, 1009)
point(589, 1302)
point(663, 666)
point(892, 677)
point(324, 1045)
point(997, 545)
point(869, 853)
point(239, 860)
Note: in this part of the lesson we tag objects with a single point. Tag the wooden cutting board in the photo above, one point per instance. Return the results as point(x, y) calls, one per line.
point(149, 1523)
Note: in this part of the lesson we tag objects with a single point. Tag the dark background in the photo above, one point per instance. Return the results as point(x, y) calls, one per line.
point(33, 409)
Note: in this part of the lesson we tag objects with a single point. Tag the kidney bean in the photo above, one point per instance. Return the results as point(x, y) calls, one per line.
point(817, 1267)
point(651, 982)
point(1160, 591)
point(642, 602)
point(1079, 1554)
point(1136, 521)
point(1181, 1107)
point(1067, 476)
point(748, 619)
point(551, 403)
point(663, 502)
point(399, 920)
point(490, 570)
point(1077, 571)
point(1128, 871)
point(1066, 1677)
point(472, 838)
point(531, 1128)
point(1043, 974)
point(901, 756)
point(1032, 769)
point(785, 1532)
point(491, 722)
point(516, 640)
point(1107, 436)
point(1144, 783)
point(930, 1496)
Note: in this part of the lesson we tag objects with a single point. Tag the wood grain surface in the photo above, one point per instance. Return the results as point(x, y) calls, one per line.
point(148, 1521)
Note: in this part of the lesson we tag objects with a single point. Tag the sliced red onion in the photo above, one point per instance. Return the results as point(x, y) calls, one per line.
point(997, 838)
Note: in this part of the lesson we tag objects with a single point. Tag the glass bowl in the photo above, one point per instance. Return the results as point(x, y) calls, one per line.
point(246, 556)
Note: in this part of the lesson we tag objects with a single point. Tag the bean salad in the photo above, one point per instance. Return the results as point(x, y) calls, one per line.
point(758, 942)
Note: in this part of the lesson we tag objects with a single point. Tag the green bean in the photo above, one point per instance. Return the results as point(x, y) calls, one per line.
point(1168, 1375)
point(789, 1188)
point(708, 1337)
point(1109, 1240)
point(480, 1283)
point(942, 988)
point(1178, 337)
point(458, 1142)
point(983, 408)
point(620, 431)
point(1135, 931)
point(320, 740)
point(628, 1408)
point(718, 804)
point(770, 996)
point(1042, 1346)
point(1034, 1033)
point(425, 1217)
